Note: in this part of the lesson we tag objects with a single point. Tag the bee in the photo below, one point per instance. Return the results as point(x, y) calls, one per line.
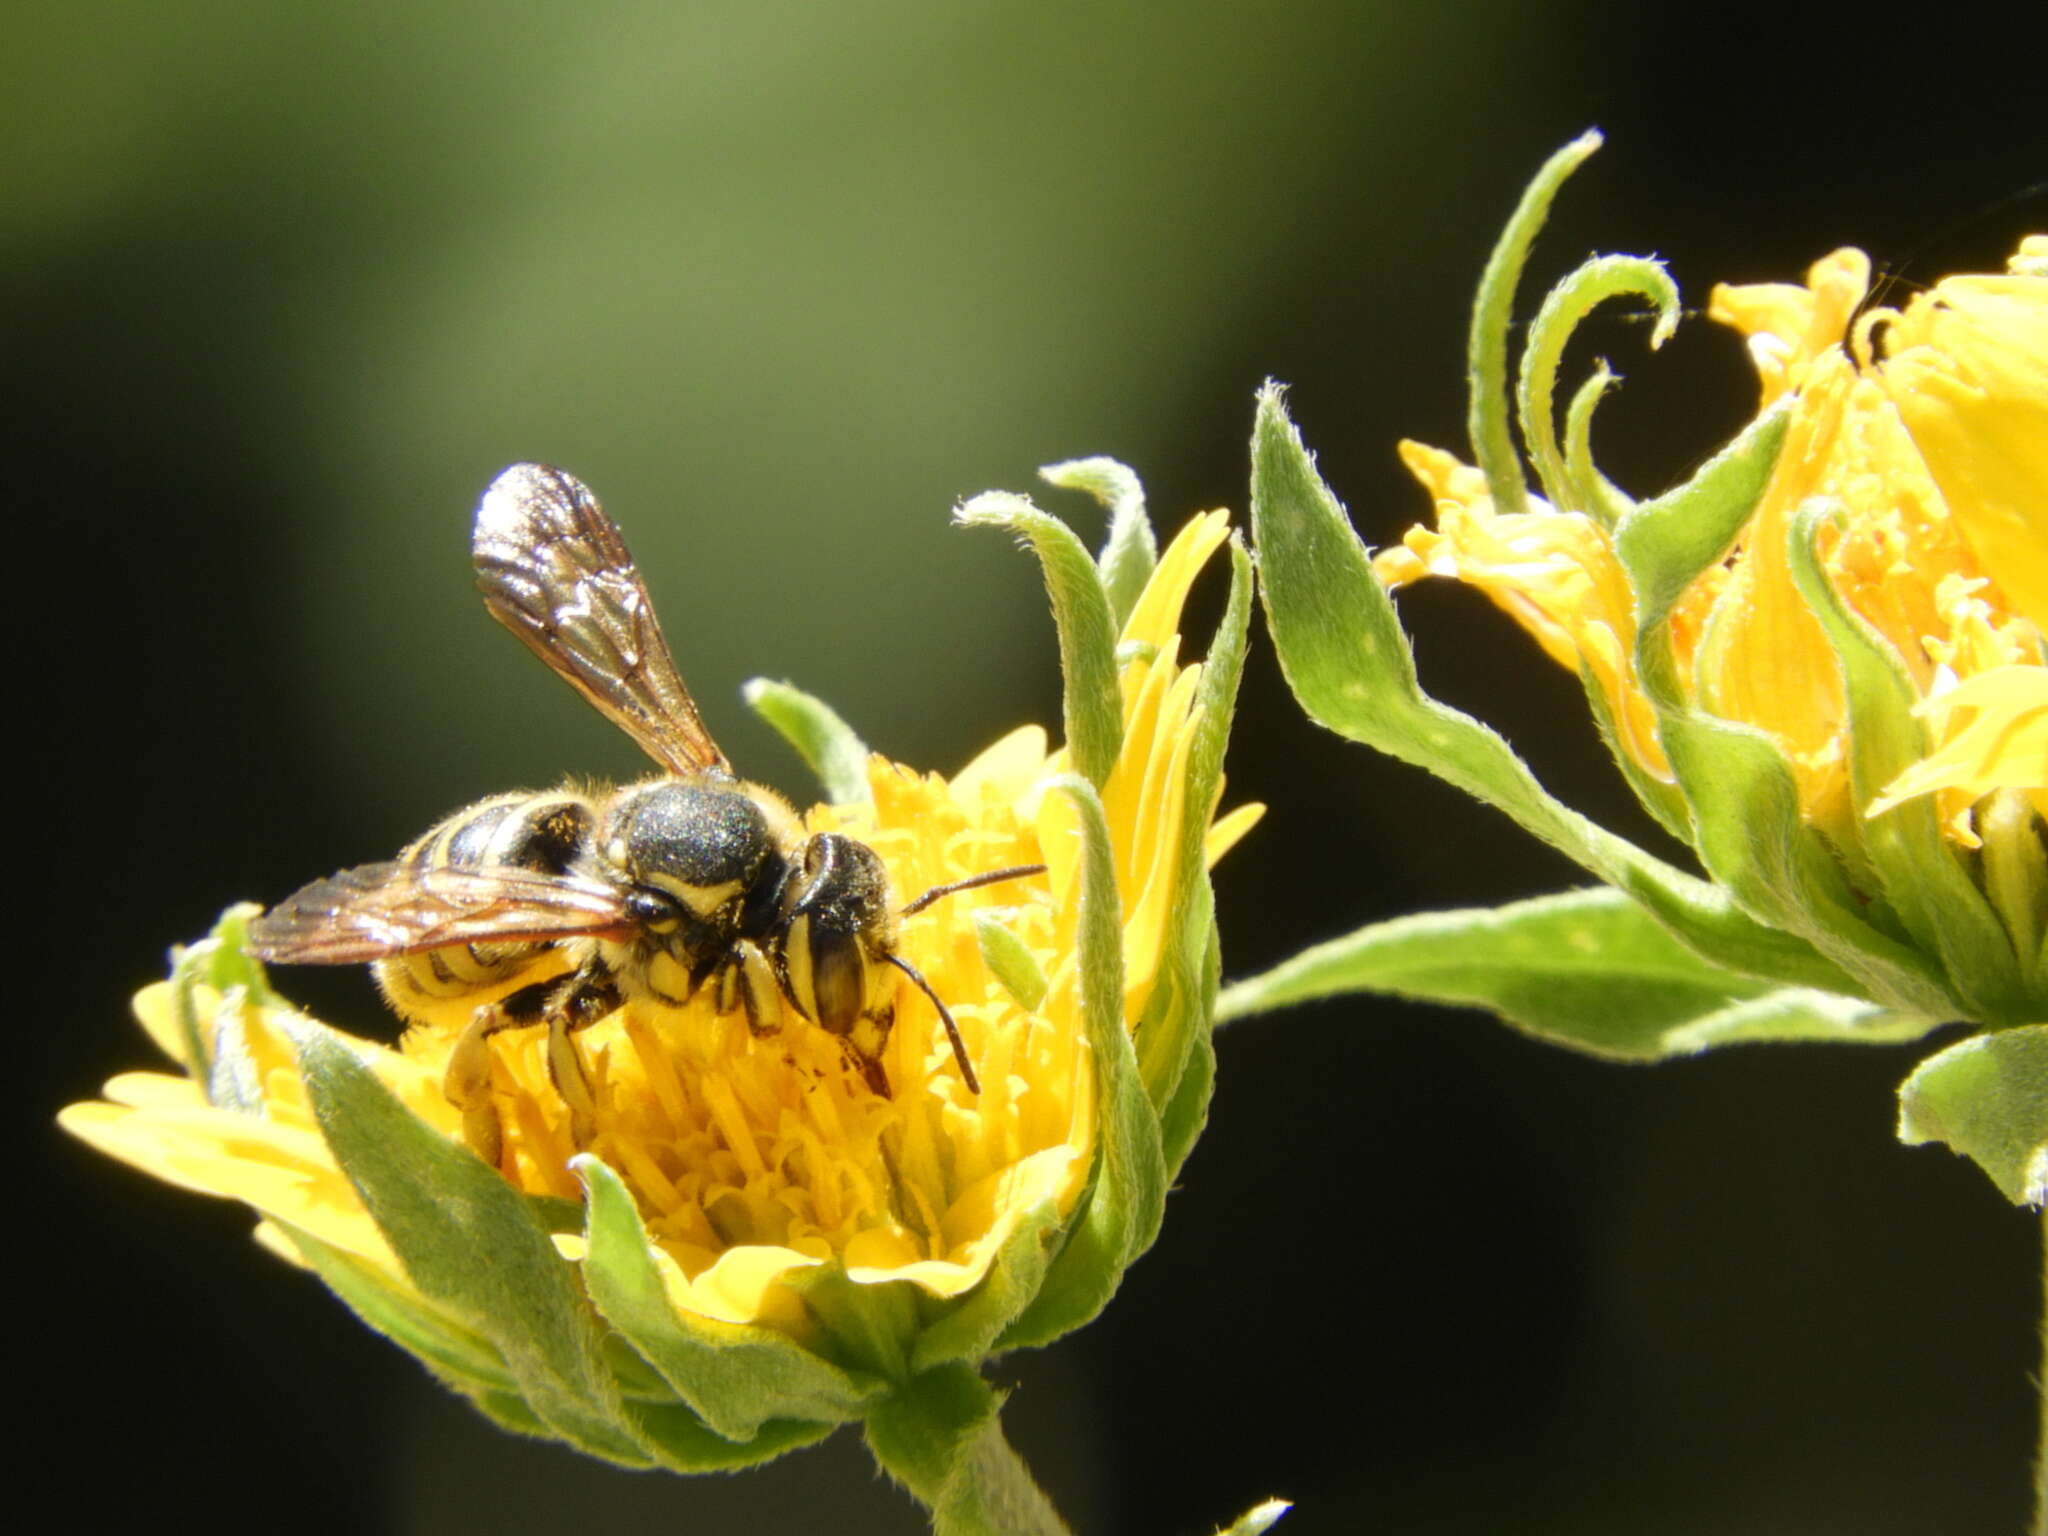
point(558, 907)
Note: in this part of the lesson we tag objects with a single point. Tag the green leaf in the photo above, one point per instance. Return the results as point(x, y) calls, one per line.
point(1130, 552)
point(1119, 1214)
point(1087, 628)
point(470, 1244)
point(737, 1378)
point(1486, 352)
point(1010, 960)
point(1987, 1098)
point(1799, 1014)
point(826, 743)
point(1587, 969)
point(1343, 653)
point(1569, 303)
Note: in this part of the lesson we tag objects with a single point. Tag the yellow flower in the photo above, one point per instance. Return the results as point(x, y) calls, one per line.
point(1926, 430)
point(754, 1160)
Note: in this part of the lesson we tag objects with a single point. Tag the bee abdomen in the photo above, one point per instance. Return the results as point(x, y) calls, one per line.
point(545, 832)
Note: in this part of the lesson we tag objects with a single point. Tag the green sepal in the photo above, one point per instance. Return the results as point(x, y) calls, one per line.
point(1751, 836)
point(1010, 960)
point(1587, 969)
point(1747, 825)
point(1093, 699)
point(1987, 1098)
point(458, 1355)
point(1343, 653)
point(1486, 351)
point(1118, 1214)
point(1591, 492)
point(866, 1327)
point(1665, 544)
point(1174, 1013)
point(1664, 800)
point(940, 1436)
point(1571, 301)
point(679, 1441)
point(1187, 1112)
point(738, 1379)
point(233, 1080)
point(1923, 878)
point(1182, 1116)
point(830, 747)
point(1130, 552)
point(2016, 877)
point(967, 1329)
point(470, 1245)
point(221, 1066)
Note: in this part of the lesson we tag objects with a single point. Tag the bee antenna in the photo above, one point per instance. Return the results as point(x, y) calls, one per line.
point(945, 1014)
point(989, 877)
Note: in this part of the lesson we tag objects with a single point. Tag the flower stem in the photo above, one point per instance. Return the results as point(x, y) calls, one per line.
point(940, 1436)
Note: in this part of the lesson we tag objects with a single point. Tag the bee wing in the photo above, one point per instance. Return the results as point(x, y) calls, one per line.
point(554, 571)
point(376, 911)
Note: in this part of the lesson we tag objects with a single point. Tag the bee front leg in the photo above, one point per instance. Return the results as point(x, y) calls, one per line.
point(467, 1080)
point(587, 996)
point(747, 981)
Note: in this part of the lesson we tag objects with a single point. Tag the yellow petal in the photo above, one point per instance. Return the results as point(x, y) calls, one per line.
point(1993, 730)
point(1967, 367)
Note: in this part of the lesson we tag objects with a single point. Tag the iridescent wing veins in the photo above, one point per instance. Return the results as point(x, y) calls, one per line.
point(554, 570)
point(377, 911)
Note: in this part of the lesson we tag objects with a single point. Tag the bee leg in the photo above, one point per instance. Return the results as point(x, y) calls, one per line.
point(580, 1002)
point(467, 1081)
point(747, 981)
point(869, 1063)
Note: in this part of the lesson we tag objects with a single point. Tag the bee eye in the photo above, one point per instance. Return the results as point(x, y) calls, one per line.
point(656, 911)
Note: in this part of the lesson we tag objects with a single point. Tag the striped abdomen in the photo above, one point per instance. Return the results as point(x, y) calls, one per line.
point(547, 832)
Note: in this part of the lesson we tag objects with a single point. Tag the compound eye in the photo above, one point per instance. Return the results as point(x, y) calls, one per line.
point(655, 911)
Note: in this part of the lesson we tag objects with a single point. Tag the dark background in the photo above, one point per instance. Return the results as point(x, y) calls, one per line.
point(281, 288)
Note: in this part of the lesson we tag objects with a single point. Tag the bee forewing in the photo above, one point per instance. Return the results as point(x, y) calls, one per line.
point(376, 911)
point(554, 570)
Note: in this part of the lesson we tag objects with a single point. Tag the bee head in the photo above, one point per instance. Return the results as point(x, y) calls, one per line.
point(838, 928)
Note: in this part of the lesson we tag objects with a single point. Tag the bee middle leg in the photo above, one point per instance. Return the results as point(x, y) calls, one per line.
point(467, 1080)
point(589, 994)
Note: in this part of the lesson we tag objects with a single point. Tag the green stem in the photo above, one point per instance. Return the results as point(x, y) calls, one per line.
point(940, 1436)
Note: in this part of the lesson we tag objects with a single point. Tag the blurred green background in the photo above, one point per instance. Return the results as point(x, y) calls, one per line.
point(283, 287)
